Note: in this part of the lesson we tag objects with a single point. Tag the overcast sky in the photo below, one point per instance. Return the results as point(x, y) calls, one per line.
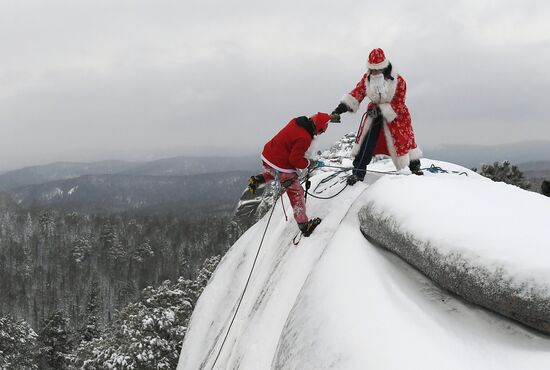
point(91, 80)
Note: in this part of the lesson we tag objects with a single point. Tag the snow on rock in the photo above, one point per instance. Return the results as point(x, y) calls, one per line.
point(337, 301)
point(485, 241)
point(278, 277)
point(54, 193)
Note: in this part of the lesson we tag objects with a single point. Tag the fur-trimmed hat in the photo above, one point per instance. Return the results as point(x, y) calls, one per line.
point(320, 120)
point(377, 59)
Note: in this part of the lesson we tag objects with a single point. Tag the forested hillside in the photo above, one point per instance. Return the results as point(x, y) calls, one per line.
point(53, 260)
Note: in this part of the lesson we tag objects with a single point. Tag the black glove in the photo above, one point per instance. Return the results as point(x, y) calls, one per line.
point(375, 112)
point(335, 118)
point(341, 108)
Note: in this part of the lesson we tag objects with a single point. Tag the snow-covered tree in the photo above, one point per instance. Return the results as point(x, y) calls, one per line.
point(81, 249)
point(148, 334)
point(204, 275)
point(142, 252)
point(17, 344)
point(91, 329)
point(111, 243)
point(54, 342)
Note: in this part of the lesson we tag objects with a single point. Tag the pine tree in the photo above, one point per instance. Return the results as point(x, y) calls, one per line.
point(111, 243)
point(204, 275)
point(505, 172)
point(545, 188)
point(54, 343)
point(142, 252)
point(17, 344)
point(91, 329)
point(148, 334)
point(81, 249)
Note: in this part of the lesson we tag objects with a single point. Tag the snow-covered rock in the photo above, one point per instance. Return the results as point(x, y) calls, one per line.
point(337, 301)
point(485, 241)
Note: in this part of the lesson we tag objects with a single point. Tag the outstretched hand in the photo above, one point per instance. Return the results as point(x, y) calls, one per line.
point(314, 163)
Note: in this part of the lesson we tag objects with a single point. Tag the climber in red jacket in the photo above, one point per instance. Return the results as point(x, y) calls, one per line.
point(284, 155)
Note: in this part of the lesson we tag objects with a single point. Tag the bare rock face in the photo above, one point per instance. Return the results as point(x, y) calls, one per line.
point(251, 208)
point(528, 302)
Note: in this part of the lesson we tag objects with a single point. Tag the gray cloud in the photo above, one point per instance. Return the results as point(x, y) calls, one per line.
point(104, 79)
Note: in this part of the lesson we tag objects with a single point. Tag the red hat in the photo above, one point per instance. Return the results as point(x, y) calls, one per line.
point(320, 120)
point(377, 59)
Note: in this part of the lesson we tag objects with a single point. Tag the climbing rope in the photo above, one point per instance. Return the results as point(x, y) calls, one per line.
point(324, 181)
point(249, 275)
point(432, 169)
point(436, 169)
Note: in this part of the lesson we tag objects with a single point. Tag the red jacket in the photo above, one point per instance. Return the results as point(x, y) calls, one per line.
point(285, 152)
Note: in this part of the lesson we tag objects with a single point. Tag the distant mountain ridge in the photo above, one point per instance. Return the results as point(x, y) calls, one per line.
point(119, 193)
point(475, 155)
point(537, 152)
point(176, 166)
point(183, 166)
point(181, 183)
point(60, 171)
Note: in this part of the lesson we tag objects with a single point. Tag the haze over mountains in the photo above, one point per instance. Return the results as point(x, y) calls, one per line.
point(119, 193)
point(59, 171)
point(176, 166)
point(172, 184)
point(183, 183)
point(475, 155)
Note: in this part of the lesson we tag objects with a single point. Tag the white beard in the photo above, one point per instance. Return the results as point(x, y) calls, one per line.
point(311, 152)
point(377, 88)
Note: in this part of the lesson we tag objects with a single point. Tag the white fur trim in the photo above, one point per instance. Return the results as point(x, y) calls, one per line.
point(388, 112)
point(351, 102)
point(380, 65)
point(285, 170)
point(401, 162)
point(416, 153)
point(310, 152)
point(391, 148)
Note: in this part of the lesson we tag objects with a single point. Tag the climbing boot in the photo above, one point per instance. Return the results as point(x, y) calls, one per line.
point(414, 166)
point(351, 180)
point(307, 227)
point(254, 182)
